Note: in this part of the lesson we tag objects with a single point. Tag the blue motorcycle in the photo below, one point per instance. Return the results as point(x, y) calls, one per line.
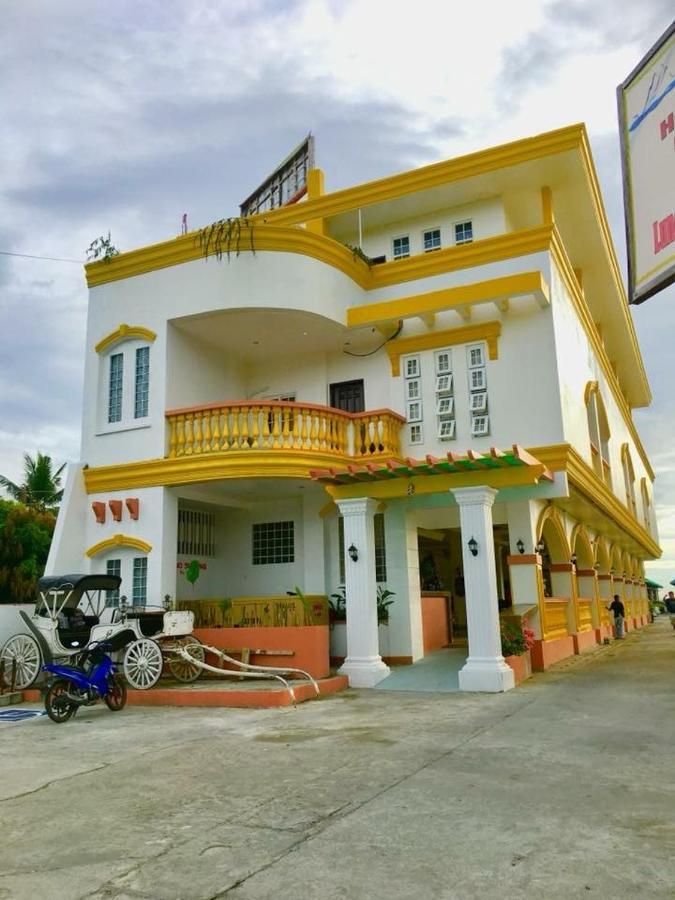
point(94, 678)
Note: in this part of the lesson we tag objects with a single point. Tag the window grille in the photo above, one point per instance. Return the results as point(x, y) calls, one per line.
point(142, 382)
point(196, 533)
point(115, 387)
point(140, 581)
point(113, 567)
point(273, 542)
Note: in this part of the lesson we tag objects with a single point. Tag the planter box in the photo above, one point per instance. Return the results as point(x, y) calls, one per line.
point(521, 665)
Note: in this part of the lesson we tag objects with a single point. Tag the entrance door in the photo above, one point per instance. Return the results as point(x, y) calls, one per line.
point(348, 396)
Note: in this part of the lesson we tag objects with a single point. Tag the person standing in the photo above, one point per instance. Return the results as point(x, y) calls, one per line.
point(616, 607)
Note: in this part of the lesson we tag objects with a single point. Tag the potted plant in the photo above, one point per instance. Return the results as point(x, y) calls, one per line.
point(516, 645)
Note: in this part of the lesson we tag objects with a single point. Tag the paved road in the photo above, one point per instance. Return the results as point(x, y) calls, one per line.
point(563, 788)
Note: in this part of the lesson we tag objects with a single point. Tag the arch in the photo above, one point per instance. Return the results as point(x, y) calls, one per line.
point(118, 540)
point(598, 431)
point(582, 547)
point(602, 555)
point(590, 389)
point(629, 478)
point(551, 530)
point(125, 332)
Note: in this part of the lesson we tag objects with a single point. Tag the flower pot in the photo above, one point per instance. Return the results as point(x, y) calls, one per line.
point(521, 665)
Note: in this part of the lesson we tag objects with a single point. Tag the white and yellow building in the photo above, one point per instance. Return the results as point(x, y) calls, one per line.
point(462, 405)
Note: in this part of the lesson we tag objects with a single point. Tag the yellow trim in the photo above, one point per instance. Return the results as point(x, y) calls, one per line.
point(551, 513)
point(481, 331)
point(590, 389)
point(446, 172)
point(210, 467)
point(559, 255)
point(119, 540)
point(327, 509)
point(547, 205)
point(564, 458)
point(125, 333)
point(581, 532)
point(492, 290)
point(439, 484)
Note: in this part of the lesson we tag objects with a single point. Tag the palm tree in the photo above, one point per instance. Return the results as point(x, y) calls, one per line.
point(41, 488)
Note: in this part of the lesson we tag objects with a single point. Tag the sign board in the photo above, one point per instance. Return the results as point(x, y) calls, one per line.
point(287, 184)
point(646, 101)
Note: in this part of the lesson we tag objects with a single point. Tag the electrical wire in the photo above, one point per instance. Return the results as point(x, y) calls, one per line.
point(33, 256)
point(386, 341)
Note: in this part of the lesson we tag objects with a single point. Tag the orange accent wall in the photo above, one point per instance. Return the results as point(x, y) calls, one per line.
point(309, 643)
point(434, 623)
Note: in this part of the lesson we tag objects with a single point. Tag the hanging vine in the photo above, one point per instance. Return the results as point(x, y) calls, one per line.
point(225, 236)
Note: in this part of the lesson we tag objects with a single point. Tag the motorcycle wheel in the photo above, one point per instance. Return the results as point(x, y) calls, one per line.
point(57, 705)
point(116, 698)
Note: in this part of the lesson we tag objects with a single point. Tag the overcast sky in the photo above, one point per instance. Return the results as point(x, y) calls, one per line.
point(122, 116)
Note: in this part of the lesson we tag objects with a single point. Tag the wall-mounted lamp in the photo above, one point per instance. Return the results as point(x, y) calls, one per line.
point(473, 546)
point(596, 566)
point(611, 571)
point(520, 545)
point(573, 559)
point(541, 546)
point(353, 553)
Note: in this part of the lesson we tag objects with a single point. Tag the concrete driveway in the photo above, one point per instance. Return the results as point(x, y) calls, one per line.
point(561, 788)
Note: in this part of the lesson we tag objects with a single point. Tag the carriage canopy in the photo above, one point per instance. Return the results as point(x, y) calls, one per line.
point(59, 592)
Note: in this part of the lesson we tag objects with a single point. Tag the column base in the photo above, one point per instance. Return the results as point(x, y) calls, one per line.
point(491, 675)
point(364, 672)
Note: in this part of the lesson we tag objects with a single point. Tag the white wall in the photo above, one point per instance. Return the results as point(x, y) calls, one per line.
point(220, 376)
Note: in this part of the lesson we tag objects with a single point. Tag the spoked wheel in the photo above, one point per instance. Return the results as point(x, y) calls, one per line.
point(21, 655)
point(59, 708)
point(180, 667)
point(116, 697)
point(143, 664)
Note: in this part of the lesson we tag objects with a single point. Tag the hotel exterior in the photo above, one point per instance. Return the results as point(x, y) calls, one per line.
point(423, 383)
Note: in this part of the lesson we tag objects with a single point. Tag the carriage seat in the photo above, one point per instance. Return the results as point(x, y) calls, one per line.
point(150, 622)
point(74, 628)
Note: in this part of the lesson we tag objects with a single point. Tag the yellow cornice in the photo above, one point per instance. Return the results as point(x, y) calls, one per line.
point(209, 467)
point(561, 259)
point(481, 331)
point(119, 540)
point(492, 290)
point(446, 172)
point(563, 457)
point(125, 333)
point(262, 237)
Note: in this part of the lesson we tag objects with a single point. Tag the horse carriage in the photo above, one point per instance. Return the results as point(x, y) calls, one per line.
point(71, 613)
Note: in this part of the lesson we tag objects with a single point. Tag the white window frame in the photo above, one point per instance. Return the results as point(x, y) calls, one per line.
point(415, 434)
point(475, 348)
point(445, 406)
point(444, 384)
point(447, 429)
point(456, 225)
point(481, 374)
point(414, 411)
point(129, 421)
point(478, 402)
point(412, 366)
point(438, 357)
point(400, 237)
point(435, 229)
point(480, 426)
point(413, 389)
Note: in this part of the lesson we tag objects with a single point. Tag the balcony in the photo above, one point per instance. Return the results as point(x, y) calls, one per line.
point(282, 427)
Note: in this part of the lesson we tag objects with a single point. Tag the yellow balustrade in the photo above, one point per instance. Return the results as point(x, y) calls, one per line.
point(585, 608)
point(555, 617)
point(282, 426)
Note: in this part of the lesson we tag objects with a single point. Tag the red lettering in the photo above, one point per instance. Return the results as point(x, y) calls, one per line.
point(663, 233)
point(667, 126)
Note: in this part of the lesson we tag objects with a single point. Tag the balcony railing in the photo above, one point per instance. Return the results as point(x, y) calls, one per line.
point(278, 426)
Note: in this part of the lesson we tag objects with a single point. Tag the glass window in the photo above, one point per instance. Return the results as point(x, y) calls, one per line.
point(415, 411)
point(445, 406)
point(480, 425)
point(401, 247)
point(142, 382)
point(477, 380)
point(479, 402)
point(446, 429)
point(416, 434)
point(432, 239)
point(115, 387)
point(273, 542)
point(113, 567)
point(413, 389)
point(412, 367)
point(464, 232)
point(443, 362)
point(444, 384)
point(476, 356)
point(140, 581)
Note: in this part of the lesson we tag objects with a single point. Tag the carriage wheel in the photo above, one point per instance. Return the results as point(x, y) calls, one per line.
point(21, 654)
point(181, 669)
point(143, 664)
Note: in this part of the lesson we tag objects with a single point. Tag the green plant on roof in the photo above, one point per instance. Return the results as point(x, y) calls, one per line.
point(101, 248)
point(225, 236)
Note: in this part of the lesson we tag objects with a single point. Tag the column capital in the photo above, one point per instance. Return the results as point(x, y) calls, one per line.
point(474, 496)
point(357, 506)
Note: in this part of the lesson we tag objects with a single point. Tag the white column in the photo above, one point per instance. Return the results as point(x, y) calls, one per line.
point(485, 669)
point(363, 664)
point(403, 577)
